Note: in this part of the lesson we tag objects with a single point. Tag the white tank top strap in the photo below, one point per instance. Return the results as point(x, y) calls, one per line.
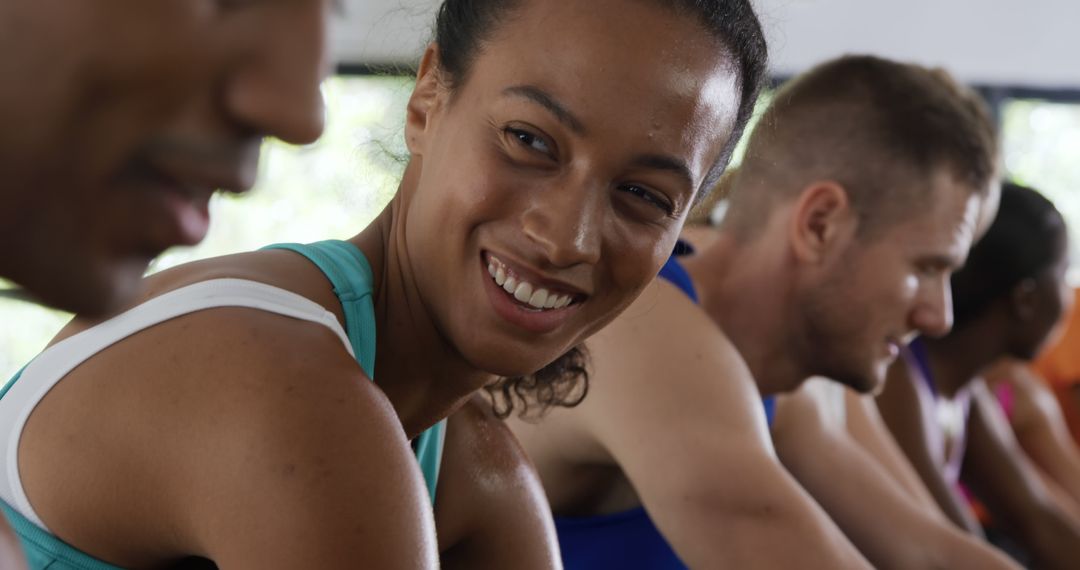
point(52, 365)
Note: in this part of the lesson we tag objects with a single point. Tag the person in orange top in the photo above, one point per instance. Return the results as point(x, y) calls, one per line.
point(1060, 367)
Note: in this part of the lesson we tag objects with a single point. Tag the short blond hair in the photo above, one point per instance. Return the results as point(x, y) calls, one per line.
point(879, 128)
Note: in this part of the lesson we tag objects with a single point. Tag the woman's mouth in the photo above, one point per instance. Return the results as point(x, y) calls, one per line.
point(524, 292)
point(527, 300)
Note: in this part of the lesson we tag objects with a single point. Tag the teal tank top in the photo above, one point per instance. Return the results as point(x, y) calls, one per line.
point(350, 274)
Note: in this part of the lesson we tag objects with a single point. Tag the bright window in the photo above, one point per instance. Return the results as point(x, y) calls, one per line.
point(1042, 150)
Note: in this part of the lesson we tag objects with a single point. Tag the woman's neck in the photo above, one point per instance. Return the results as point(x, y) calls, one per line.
point(424, 377)
point(959, 357)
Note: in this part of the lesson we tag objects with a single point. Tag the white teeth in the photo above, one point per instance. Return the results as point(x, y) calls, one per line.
point(523, 292)
point(539, 298)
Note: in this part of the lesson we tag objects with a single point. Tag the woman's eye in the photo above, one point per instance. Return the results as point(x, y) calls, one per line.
point(649, 197)
point(530, 140)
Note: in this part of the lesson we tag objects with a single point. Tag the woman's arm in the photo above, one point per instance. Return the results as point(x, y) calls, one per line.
point(1005, 480)
point(490, 509)
point(1039, 426)
point(902, 409)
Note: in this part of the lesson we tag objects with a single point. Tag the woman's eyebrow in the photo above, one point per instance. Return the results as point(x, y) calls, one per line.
point(547, 101)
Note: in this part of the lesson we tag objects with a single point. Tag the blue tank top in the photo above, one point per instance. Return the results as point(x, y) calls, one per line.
point(629, 539)
point(348, 271)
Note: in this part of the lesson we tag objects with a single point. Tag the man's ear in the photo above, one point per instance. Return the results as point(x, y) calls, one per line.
point(425, 99)
point(823, 221)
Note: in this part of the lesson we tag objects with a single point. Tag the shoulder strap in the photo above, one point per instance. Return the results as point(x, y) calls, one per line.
point(46, 551)
point(348, 271)
point(429, 450)
point(21, 395)
point(11, 382)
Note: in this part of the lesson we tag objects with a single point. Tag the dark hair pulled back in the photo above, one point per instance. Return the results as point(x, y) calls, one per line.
point(1026, 238)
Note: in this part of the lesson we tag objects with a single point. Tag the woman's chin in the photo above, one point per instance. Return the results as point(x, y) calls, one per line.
point(513, 362)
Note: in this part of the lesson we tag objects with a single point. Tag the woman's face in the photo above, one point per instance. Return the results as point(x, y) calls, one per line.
point(1053, 301)
point(551, 185)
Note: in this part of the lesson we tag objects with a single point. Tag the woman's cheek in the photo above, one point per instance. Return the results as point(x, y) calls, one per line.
point(639, 263)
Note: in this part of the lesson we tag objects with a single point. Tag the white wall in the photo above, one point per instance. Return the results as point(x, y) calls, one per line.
point(383, 31)
point(1016, 42)
point(1023, 42)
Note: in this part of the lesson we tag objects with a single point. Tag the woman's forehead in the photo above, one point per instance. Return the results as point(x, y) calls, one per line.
point(661, 75)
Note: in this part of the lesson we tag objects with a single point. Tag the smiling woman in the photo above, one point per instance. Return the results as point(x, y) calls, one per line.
point(569, 169)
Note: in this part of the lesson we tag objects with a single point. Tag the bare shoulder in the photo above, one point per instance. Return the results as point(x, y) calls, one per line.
point(226, 407)
point(664, 376)
point(311, 430)
point(490, 511)
point(1032, 398)
point(477, 438)
point(664, 343)
point(662, 358)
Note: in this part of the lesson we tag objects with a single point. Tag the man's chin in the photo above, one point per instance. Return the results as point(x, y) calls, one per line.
point(874, 387)
point(869, 382)
point(874, 382)
point(91, 292)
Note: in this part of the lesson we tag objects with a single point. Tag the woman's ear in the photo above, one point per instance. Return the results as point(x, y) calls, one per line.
point(823, 221)
point(425, 99)
point(1023, 300)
